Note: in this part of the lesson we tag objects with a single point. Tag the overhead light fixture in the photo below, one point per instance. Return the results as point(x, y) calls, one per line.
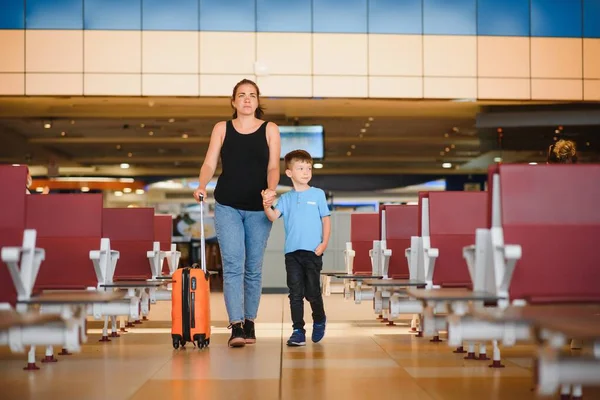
point(371, 118)
point(363, 130)
point(16, 165)
point(47, 124)
point(127, 190)
point(118, 193)
point(142, 125)
point(129, 154)
point(367, 125)
point(126, 180)
point(353, 146)
point(124, 165)
point(151, 133)
point(39, 189)
point(532, 163)
point(497, 159)
point(171, 120)
point(447, 165)
point(63, 133)
point(139, 191)
point(318, 166)
point(85, 189)
point(349, 153)
point(185, 136)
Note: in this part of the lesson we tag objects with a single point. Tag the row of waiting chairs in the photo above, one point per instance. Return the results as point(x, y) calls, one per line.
point(66, 257)
point(516, 263)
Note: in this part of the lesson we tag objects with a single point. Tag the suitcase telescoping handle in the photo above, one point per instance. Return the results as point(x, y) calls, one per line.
point(202, 245)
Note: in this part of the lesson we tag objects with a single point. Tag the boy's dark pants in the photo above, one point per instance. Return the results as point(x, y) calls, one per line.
point(304, 281)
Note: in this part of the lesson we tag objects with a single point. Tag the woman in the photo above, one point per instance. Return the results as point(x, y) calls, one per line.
point(249, 149)
point(562, 152)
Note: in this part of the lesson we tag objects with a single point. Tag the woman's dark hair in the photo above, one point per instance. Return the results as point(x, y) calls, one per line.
point(562, 152)
point(259, 112)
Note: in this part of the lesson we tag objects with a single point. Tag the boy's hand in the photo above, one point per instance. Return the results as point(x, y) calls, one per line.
point(268, 197)
point(320, 249)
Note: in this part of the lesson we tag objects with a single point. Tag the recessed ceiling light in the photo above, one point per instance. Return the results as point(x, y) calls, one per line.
point(318, 166)
point(85, 189)
point(124, 165)
point(371, 118)
point(127, 190)
point(118, 193)
point(129, 154)
point(349, 153)
point(532, 163)
point(447, 165)
point(497, 159)
point(353, 146)
point(139, 191)
point(63, 134)
point(47, 125)
point(185, 136)
point(363, 130)
point(39, 189)
point(151, 133)
point(171, 120)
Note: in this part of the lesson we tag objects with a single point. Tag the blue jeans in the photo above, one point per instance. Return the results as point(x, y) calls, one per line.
point(242, 237)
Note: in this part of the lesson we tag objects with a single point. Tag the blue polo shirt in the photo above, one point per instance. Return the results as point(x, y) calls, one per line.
point(302, 213)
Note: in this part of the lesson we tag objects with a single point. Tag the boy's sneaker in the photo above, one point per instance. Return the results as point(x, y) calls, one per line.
point(249, 332)
point(298, 338)
point(318, 332)
point(237, 339)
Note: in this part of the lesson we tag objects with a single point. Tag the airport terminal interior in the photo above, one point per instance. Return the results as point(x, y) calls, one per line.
point(457, 147)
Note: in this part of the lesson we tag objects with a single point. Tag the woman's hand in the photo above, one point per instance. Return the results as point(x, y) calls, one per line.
point(268, 196)
point(200, 192)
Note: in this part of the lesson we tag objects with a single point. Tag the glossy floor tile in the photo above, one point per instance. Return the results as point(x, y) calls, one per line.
point(360, 358)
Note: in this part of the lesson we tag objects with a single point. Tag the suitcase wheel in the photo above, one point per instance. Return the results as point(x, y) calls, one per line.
point(177, 339)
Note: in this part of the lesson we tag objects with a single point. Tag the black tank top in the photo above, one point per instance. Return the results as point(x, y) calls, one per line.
point(244, 160)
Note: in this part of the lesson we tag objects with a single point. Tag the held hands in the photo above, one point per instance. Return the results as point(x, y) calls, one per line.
point(268, 196)
point(320, 249)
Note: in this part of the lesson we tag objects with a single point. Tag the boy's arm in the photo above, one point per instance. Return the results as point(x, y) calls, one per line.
point(326, 232)
point(272, 213)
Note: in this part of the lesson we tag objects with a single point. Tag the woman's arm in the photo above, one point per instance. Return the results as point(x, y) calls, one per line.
point(274, 143)
point(211, 159)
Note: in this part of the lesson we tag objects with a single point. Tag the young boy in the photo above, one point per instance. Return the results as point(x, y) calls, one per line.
point(307, 227)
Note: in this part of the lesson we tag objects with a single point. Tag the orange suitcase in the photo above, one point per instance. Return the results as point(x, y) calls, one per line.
point(190, 312)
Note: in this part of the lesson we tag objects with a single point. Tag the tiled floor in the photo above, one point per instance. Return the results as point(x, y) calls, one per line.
point(359, 359)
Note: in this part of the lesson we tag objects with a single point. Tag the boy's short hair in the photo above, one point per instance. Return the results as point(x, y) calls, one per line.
point(297, 155)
